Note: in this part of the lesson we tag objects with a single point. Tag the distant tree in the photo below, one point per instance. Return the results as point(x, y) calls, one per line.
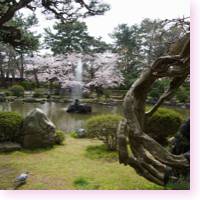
point(61, 68)
point(29, 42)
point(140, 44)
point(72, 37)
point(64, 10)
point(127, 44)
point(157, 39)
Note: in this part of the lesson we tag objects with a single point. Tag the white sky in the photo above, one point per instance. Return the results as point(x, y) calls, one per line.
point(134, 11)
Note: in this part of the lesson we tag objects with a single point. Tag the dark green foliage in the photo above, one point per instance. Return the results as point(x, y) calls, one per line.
point(28, 85)
point(73, 37)
point(163, 124)
point(183, 93)
point(28, 40)
point(8, 93)
point(127, 43)
point(38, 93)
point(158, 88)
point(104, 127)
point(10, 124)
point(60, 137)
point(73, 134)
point(17, 90)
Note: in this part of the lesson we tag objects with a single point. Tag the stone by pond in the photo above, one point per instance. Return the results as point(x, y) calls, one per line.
point(38, 130)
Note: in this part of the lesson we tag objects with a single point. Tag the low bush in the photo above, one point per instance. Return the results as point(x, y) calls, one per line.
point(60, 137)
point(10, 124)
point(163, 124)
point(8, 93)
point(73, 134)
point(28, 85)
point(39, 93)
point(17, 90)
point(104, 127)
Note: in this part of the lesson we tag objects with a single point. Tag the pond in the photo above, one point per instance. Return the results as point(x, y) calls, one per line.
point(68, 121)
point(57, 112)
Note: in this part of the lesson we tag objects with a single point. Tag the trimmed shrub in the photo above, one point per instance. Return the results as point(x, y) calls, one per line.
point(28, 85)
point(163, 124)
point(60, 137)
point(73, 134)
point(10, 124)
point(17, 90)
point(38, 93)
point(104, 127)
point(8, 93)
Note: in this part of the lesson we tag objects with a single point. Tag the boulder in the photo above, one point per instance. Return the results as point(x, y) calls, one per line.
point(37, 130)
point(9, 146)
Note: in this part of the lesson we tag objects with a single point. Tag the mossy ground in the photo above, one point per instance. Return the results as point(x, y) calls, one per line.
point(78, 164)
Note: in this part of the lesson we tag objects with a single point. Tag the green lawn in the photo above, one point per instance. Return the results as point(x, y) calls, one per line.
point(78, 164)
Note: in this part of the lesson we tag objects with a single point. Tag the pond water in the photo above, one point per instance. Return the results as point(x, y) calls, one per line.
point(57, 112)
point(68, 121)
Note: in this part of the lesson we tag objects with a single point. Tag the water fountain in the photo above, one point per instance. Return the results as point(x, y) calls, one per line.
point(77, 89)
point(76, 107)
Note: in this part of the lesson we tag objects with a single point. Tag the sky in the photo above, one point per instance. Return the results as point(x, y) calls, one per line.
point(134, 11)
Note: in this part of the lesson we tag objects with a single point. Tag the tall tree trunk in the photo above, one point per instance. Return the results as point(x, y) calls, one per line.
point(36, 77)
point(22, 67)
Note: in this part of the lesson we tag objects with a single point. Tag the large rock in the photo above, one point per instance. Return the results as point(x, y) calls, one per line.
point(38, 130)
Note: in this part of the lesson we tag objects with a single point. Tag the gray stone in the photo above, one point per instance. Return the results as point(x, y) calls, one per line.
point(9, 146)
point(38, 131)
point(80, 132)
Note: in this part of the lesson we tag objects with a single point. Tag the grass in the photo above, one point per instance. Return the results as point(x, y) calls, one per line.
point(78, 164)
point(101, 152)
point(85, 184)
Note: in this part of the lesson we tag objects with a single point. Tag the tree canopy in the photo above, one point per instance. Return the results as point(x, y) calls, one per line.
point(140, 44)
point(64, 10)
point(72, 37)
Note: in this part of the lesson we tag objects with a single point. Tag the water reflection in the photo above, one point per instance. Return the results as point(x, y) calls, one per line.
point(57, 112)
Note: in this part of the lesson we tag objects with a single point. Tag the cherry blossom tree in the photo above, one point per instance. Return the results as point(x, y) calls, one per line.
point(105, 73)
point(62, 69)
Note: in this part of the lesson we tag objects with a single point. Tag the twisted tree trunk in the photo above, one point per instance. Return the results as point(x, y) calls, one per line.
point(146, 156)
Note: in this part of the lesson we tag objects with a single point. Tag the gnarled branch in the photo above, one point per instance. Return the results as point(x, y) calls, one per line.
point(148, 157)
